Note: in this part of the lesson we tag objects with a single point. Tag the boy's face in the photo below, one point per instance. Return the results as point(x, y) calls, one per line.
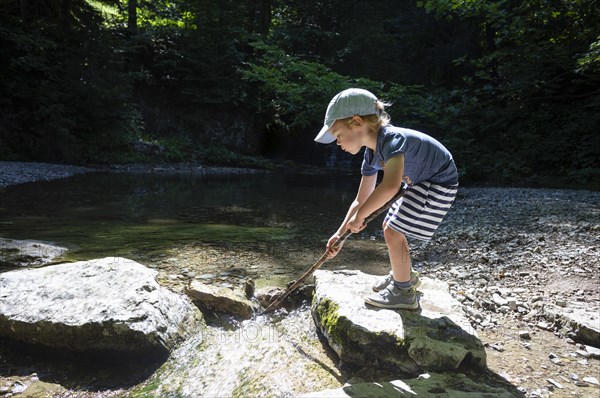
point(349, 136)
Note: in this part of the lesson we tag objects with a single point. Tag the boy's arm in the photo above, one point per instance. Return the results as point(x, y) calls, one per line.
point(365, 189)
point(389, 186)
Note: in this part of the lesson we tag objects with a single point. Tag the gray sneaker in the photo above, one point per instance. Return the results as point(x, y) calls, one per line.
point(392, 297)
point(383, 282)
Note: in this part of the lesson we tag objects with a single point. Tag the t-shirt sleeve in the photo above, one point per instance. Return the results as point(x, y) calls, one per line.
point(366, 169)
point(393, 145)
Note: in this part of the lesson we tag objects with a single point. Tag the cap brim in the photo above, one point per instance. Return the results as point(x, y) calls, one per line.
point(324, 136)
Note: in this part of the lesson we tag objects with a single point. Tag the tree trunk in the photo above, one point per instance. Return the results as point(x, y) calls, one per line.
point(132, 16)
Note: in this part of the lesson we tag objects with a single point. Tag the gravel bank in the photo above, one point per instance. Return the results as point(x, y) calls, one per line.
point(13, 173)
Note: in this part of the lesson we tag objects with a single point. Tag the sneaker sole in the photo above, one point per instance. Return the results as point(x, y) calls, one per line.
point(393, 306)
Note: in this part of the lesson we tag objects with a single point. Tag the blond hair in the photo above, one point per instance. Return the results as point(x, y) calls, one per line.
point(377, 120)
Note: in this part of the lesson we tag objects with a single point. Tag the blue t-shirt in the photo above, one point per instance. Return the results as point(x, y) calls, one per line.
point(425, 158)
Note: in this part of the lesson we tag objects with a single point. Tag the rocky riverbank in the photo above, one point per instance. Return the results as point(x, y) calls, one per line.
point(524, 263)
point(521, 261)
point(13, 173)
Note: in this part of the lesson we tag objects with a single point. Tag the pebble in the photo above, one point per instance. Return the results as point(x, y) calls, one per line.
point(543, 325)
point(583, 353)
point(591, 380)
point(18, 387)
point(593, 351)
point(524, 334)
point(554, 383)
point(496, 347)
point(206, 276)
point(500, 301)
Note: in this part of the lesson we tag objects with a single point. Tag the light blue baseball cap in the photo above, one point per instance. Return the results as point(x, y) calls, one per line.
point(350, 102)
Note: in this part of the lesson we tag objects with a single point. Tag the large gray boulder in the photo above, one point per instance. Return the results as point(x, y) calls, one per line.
point(436, 338)
point(110, 304)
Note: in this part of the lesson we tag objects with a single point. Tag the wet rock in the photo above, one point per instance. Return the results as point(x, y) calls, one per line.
point(221, 299)
point(19, 253)
point(438, 337)
point(110, 304)
point(451, 385)
point(249, 288)
point(268, 294)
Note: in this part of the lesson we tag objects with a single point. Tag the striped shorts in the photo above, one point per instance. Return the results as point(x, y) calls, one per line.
point(421, 210)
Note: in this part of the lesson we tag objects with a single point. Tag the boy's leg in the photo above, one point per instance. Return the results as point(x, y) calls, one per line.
point(399, 293)
point(399, 254)
point(397, 249)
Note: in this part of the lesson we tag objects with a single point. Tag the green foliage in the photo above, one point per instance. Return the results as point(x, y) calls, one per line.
point(59, 104)
point(511, 88)
point(590, 61)
point(292, 91)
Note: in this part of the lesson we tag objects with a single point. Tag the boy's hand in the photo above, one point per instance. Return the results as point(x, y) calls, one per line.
point(333, 251)
point(356, 224)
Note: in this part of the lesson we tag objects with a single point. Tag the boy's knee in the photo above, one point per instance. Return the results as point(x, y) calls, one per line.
point(391, 234)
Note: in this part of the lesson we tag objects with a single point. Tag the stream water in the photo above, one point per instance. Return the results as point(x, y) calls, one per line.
point(149, 217)
point(137, 215)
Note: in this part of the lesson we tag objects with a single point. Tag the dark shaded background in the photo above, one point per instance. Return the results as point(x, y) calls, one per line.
point(512, 88)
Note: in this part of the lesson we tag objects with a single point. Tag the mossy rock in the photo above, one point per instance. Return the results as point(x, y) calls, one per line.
point(434, 338)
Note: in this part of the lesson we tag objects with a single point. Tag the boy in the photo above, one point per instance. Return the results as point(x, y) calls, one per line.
point(355, 118)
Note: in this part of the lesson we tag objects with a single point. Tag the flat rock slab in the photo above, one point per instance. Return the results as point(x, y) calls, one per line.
point(19, 253)
point(221, 299)
point(437, 337)
point(583, 321)
point(454, 385)
point(110, 304)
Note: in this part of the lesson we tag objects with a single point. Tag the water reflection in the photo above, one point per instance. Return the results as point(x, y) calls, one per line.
point(103, 214)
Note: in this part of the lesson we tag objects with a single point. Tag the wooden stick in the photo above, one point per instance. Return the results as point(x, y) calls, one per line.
point(324, 257)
